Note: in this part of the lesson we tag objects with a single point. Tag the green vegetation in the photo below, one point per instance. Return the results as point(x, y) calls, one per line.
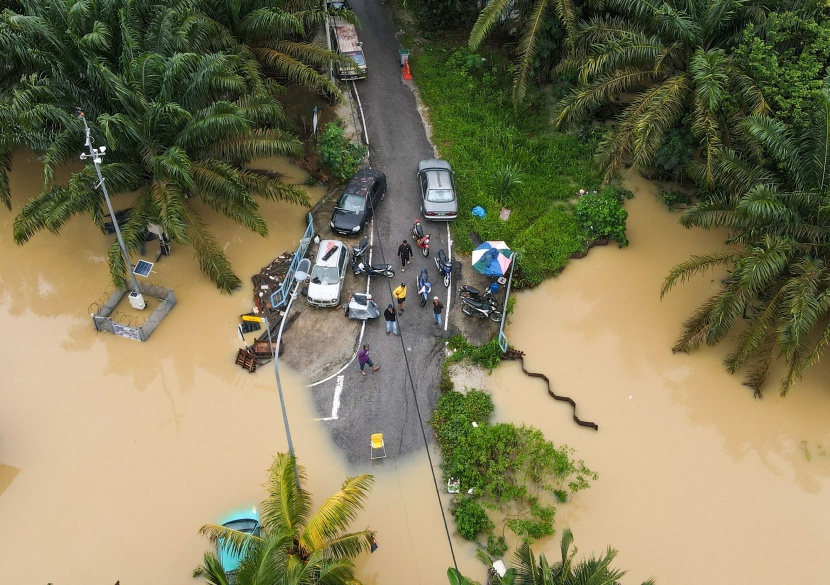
point(531, 570)
point(675, 89)
point(342, 157)
point(777, 294)
point(505, 159)
point(177, 93)
point(296, 545)
point(501, 464)
point(601, 215)
point(487, 356)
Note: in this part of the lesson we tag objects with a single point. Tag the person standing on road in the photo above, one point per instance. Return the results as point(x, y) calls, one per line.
point(437, 311)
point(405, 253)
point(400, 295)
point(391, 317)
point(363, 359)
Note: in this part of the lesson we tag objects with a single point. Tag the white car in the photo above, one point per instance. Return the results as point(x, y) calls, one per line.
point(326, 278)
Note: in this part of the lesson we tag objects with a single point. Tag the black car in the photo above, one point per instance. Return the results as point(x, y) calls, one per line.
point(361, 196)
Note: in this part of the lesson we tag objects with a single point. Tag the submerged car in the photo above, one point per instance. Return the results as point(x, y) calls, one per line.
point(326, 278)
point(438, 200)
point(360, 198)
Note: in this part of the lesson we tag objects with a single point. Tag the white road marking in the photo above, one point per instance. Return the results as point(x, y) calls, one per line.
point(335, 405)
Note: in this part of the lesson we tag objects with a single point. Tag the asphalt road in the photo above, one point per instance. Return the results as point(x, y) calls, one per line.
point(398, 398)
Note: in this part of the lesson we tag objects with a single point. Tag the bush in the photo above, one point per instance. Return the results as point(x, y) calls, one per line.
point(504, 463)
point(601, 215)
point(487, 356)
point(496, 546)
point(470, 518)
point(341, 157)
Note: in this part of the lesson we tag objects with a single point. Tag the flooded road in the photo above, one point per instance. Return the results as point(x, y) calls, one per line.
point(113, 452)
point(698, 481)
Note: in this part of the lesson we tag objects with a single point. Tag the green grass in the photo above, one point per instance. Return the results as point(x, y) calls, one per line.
point(476, 129)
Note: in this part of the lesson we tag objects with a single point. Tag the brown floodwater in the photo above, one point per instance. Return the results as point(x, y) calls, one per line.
point(698, 481)
point(113, 452)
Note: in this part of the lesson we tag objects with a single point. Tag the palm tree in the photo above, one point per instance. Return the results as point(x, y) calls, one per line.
point(529, 570)
point(672, 57)
point(777, 293)
point(296, 546)
point(273, 33)
point(181, 127)
point(532, 15)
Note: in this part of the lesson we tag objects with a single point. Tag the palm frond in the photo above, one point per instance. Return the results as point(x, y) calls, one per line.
point(212, 260)
point(684, 271)
point(337, 513)
point(491, 16)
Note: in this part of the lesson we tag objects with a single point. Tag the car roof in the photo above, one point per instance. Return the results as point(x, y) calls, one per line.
point(363, 180)
point(434, 164)
point(325, 247)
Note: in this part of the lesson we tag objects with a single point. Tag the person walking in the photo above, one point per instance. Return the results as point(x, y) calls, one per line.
point(363, 359)
point(400, 296)
point(437, 311)
point(405, 254)
point(391, 317)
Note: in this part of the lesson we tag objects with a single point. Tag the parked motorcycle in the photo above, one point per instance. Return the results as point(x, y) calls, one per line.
point(421, 239)
point(374, 270)
point(480, 309)
point(444, 266)
point(424, 287)
point(359, 267)
point(471, 292)
point(359, 250)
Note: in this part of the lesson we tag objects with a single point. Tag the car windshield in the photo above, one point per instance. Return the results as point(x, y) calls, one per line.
point(439, 195)
point(324, 275)
point(354, 203)
point(357, 57)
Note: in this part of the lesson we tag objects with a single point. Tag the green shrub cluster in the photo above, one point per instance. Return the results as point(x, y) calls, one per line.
point(502, 464)
point(343, 158)
point(504, 158)
point(601, 215)
point(487, 356)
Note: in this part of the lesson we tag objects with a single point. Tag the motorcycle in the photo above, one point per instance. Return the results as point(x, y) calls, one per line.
point(374, 269)
point(480, 309)
point(444, 266)
point(361, 306)
point(421, 239)
point(470, 292)
point(424, 287)
point(359, 250)
point(358, 267)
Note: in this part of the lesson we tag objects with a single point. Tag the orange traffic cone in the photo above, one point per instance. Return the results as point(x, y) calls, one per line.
point(407, 74)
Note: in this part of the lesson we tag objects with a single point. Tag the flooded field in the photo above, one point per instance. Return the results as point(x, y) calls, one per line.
point(113, 452)
point(699, 482)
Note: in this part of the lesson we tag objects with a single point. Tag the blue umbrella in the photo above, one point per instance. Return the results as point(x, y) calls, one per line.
point(492, 258)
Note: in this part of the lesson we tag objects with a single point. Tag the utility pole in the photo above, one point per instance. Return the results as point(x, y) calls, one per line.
point(96, 154)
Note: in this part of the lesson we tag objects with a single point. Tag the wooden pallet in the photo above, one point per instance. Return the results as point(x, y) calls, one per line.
point(247, 359)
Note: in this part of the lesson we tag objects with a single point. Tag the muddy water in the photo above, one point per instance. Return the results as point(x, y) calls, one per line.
point(699, 482)
point(114, 452)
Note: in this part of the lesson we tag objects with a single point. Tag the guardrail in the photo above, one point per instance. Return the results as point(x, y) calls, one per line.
point(280, 296)
point(502, 336)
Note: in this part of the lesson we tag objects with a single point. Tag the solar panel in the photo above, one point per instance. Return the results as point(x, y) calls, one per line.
point(143, 268)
